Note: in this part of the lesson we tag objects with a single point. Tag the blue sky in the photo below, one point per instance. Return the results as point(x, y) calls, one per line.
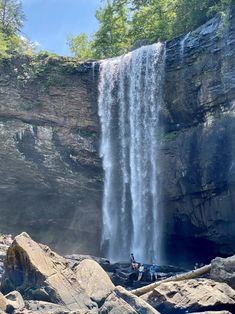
point(50, 21)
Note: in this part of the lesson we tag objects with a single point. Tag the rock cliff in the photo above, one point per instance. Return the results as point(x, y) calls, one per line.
point(198, 148)
point(50, 172)
point(51, 177)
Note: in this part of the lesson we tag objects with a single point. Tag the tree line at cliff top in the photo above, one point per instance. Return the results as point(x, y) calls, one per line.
point(11, 22)
point(122, 23)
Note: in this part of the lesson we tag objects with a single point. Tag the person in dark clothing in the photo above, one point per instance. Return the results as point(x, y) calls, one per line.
point(132, 258)
point(134, 265)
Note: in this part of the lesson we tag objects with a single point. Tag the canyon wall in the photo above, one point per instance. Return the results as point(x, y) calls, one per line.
point(51, 177)
point(198, 147)
point(50, 172)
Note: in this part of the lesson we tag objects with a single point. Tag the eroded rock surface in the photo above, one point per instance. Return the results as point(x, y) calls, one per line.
point(95, 282)
point(191, 295)
point(50, 172)
point(123, 301)
point(197, 173)
point(223, 270)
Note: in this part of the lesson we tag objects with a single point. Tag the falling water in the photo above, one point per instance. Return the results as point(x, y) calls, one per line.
point(130, 94)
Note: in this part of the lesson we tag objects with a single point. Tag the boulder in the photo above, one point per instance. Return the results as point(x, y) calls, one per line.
point(115, 305)
point(40, 274)
point(3, 302)
point(223, 270)
point(14, 302)
point(191, 295)
point(123, 301)
point(94, 280)
point(41, 307)
point(44, 307)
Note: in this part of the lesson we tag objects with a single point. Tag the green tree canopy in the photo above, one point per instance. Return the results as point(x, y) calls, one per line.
point(80, 46)
point(124, 22)
point(11, 22)
point(11, 16)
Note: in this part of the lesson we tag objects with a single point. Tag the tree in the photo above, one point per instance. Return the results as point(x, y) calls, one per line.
point(81, 47)
point(11, 16)
point(112, 38)
point(153, 19)
point(3, 46)
point(123, 22)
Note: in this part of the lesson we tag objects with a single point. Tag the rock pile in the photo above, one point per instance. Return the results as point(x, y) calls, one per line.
point(37, 280)
point(191, 296)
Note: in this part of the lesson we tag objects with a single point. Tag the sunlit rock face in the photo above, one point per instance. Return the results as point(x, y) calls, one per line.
point(50, 172)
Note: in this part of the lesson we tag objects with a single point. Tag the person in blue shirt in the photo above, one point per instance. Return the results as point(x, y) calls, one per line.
point(153, 272)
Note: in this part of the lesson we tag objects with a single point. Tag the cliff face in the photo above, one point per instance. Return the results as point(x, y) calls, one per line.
point(51, 177)
point(198, 150)
point(50, 172)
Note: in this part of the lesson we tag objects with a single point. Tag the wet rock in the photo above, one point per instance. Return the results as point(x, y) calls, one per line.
point(191, 295)
point(14, 302)
point(223, 270)
point(196, 172)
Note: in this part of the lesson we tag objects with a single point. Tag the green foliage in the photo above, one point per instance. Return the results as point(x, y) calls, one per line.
point(80, 46)
point(198, 12)
point(11, 22)
point(124, 22)
point(153, 20)
point(3, 46)
point(170, 136)
point(11, 16)
point(112, 37)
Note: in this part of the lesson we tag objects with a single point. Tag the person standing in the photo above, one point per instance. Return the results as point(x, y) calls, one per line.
point(141, 272)
point(153, 272)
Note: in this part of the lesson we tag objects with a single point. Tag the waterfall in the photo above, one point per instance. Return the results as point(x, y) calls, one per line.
point(130, 95)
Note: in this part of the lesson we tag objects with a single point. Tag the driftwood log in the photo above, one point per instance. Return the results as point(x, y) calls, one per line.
point(189, 275)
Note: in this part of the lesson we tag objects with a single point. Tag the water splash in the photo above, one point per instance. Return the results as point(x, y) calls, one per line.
point(130, 95)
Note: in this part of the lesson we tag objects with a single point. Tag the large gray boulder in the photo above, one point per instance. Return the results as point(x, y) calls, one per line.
point(123, 301)
point(223, 270)
point(191, 295)
point(94, 280)
point(40, 274)
point(14, 302)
